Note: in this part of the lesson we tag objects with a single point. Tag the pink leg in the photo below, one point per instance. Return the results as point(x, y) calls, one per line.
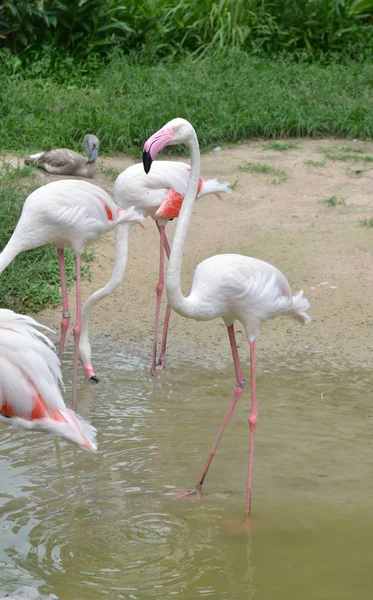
point(238, 390)
point(159, 290)
point(77, 328)
point(65, 304)
point(252, 423)
point(162, 357)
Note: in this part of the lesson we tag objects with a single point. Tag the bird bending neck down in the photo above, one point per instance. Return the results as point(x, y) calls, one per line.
point(62, 161)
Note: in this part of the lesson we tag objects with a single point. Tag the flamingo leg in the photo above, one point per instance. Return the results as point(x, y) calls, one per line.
point(238, 391)
point(65, 303)
point(159, 290)
point(252, 423)
point(77, 328)
point(162, 357)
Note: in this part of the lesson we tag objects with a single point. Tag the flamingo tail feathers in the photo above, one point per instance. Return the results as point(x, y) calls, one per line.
point(214, 186)
point(63, 423)
point(299, 308)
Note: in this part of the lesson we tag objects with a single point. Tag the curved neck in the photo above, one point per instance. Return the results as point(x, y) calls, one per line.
point(120, 264)
point(174, 294)
point(8, 254)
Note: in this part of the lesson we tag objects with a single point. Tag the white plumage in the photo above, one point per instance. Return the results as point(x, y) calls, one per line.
point(66, 212)
point(230, 286)
point(30, 380)
point(148, 192)
point(158, 195)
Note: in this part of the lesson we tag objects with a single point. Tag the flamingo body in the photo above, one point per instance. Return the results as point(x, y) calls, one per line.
point(66, 212)
point(30, 380)
point(148, 192)
point(237, 287)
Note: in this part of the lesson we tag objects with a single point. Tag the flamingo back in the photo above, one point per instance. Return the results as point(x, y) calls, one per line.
point(68, 211)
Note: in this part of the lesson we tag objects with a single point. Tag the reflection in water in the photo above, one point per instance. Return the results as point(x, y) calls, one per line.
point(83, 526)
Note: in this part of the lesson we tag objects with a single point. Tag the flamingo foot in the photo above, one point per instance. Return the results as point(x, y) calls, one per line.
point(239, 526)
point(161, 365)
point(193, 495)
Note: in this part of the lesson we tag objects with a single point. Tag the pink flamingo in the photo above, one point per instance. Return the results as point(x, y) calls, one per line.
point(66, 212)
point(159, 196)
point(230, 286)
point(30, 379)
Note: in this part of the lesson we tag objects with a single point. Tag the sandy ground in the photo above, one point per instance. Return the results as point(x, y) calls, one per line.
point(321, 249)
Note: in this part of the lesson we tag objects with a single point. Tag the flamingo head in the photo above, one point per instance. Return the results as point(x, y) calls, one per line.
point(177, 131)
point(91, 146)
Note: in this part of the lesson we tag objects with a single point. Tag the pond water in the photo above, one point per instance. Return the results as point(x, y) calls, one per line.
point(87, 526)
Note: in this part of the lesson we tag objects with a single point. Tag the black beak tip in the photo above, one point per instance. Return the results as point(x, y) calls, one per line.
point(95, 379)
point(146, 161)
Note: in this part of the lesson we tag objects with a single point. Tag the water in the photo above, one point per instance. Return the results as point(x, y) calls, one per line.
point(88, 526)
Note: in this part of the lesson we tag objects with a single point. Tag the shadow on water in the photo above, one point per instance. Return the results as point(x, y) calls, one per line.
point(105, 525)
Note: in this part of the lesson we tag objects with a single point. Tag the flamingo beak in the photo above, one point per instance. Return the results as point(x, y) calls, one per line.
point(93, 155)
point(146, 161)
point(154, 145)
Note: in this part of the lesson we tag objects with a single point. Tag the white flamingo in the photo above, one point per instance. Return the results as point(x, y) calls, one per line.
point(158, 196)
point(230, 286)
point(30, 380)
point(66, 212)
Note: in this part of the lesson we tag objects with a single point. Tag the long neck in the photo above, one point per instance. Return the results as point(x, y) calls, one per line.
point(8, 254)
point(174, 294)
point(120, 263)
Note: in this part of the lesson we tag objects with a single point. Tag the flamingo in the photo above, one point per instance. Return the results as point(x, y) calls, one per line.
point(158, 195)
point(230, 286)
point(62, 161)
point(66, 212)
point(30, 380)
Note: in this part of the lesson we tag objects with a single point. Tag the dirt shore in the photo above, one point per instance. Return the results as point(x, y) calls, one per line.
point(321, 249)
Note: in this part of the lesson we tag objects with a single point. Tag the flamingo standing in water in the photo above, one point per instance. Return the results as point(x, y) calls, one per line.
point(158, 196)
point(30, 379)
point(230, 286)
point(66, 212)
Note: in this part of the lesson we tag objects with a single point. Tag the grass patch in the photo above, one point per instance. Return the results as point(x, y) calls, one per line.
point(354, 149)
point(279, 173)
point(366, 222)
point(343, 154)
point(32, 280)
point(279, 146)
point(333, 201)
point(123, 102)
point(315, 163)
point(109, 171)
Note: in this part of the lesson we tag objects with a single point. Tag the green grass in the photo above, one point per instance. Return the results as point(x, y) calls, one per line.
point(315, 163)
point(123, 102)
point(279, 173)
point(279, 146)
point(345, 153)
point(366, 222)
point(333, 201)
point(170, 27)
point(354, 149)
point(109, 171)
point(32, 280)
